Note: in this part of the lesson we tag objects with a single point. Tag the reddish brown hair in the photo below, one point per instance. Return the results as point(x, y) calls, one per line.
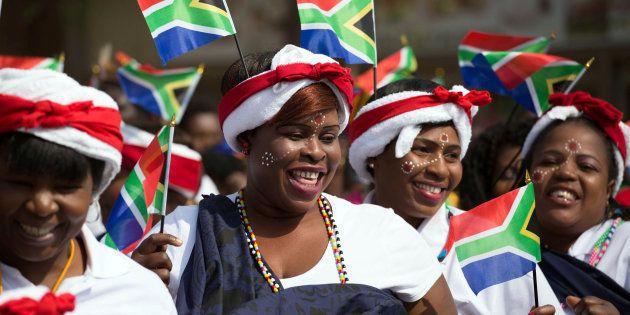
point(306, 102)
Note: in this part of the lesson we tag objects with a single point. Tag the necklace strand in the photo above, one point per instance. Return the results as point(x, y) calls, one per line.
point(61, 276)
point(600, 247)
point(331, 229)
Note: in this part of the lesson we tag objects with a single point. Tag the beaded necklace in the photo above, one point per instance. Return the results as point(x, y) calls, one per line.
point(331, 228)
point(61, 276)
point(600, 247)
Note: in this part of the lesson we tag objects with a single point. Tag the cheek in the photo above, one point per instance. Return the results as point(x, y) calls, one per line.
point(276, 154)
point(456, 171)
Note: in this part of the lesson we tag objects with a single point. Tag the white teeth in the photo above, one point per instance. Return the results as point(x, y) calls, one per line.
point(35, 231)
point(306, 175)
point(431, 189)
point(564, 194)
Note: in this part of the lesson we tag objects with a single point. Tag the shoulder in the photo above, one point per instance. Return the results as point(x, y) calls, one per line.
point(364, 211)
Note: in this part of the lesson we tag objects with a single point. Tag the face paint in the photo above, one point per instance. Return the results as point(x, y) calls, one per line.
point(572, 146)
point(407, 166)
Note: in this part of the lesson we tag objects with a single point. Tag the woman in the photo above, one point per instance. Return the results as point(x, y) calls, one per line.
point(493, 163)
point(59, 149)
point(280, 234)
point(576, 154)
point(409, 143)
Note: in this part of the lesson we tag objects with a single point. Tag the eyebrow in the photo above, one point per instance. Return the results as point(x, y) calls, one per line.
point(307, 126)
point(448, 145)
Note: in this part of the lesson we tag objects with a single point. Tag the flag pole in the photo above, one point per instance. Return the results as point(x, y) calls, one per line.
point(240, 53)
point(167, 165)
point(579, 76)
point(189, 93)
point(62, 60)
point(375, 48)
point(536, 304)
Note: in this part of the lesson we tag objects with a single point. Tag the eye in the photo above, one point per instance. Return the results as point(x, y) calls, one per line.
point(421, 149)
point(587, 167)
point(295, 136)
point(452, 156)
point(548, 162)
point(67, 188)
point(328, 138)
point(509, 174)
point(19, 183)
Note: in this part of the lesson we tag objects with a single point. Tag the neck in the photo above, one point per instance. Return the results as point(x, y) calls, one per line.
point(269, 219)
point(47, 272)
point(382, 201)
point(555, 241)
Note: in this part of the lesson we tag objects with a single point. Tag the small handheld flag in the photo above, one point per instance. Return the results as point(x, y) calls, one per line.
point(162, 92)
point(143, 194)
point(492, 241)
point(178, 26)
point(339, 28)
point(26, 62)
point(400, 65)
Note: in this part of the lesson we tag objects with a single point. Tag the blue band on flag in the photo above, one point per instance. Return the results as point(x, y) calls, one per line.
point(496, 269)
point(326, 42)
point(139, 95)
point(122, 226)
point(177, 41)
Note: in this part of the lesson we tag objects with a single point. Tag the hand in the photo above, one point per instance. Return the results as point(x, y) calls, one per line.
point(543, 310)
point(591, 305)
point(151, 254)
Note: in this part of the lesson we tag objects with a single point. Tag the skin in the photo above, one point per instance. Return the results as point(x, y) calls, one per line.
point(505, 181)
point(204, 131)
point(42, 202)
point(589, 305)
point(584, 172)
point(436, 163)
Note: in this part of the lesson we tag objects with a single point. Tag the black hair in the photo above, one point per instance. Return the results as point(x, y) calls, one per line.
point(477, 178)
point(256, 63)
point(414, 84)
point(23, 153)
point(220, 166)
point(613, 209)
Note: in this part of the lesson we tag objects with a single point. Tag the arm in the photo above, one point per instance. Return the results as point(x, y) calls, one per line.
point(438, 300)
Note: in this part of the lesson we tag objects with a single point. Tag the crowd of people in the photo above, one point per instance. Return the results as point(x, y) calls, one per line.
point(265, 215)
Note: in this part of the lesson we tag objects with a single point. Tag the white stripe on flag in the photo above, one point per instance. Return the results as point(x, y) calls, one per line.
point(186, 25)
point(505, 60)
point(148, 11)
point(154, 92)
point(533, 96)
point(352, 50)
point(134, 210)
point(498, 251)
point(329, 13)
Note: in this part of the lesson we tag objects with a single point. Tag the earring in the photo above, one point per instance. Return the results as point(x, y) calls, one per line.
point(245, 149)
point(370, 165)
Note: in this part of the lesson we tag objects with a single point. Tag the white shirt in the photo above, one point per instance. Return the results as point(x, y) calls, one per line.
point(434, 230)
point(112, 284)
point(379, 248)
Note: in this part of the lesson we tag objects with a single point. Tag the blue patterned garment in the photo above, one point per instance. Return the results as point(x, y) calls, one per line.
point(221, 277)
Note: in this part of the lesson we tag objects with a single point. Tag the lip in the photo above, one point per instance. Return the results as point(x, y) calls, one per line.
point(429, 198)
point(37, 241)
point(562, 201)
point(304, 190)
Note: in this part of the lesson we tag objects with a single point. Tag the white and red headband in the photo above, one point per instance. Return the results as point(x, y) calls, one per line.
point(186, 166)
point(400, 115)
point(258, 99)
point(54, 107)
point(602, 113)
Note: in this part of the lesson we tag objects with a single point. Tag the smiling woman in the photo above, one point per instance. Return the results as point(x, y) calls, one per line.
point(280, 240)
point(59, 149)
point(576, 154)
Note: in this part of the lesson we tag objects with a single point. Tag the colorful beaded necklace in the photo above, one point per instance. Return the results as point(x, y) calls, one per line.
point(331, 228)
point(600, 247)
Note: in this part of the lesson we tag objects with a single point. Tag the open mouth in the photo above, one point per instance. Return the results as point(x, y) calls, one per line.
point(563, 196)
point(37, 233)
point(306, 177)
point(307, 183)
point(432, 194)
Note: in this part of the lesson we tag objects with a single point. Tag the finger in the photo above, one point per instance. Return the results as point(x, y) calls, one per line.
point(592, 300)
point(157, 242)
point(543, 310)
point(602, 309)
point(163, 274)
point(155, 260)
point(572, 301)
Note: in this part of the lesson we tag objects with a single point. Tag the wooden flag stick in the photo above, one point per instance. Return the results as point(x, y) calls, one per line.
point(375, 49)
point(240, 53)
point(167, 169)
point(579, 76)
point(536, 304)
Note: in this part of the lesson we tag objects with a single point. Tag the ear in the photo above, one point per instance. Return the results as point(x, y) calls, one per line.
point(245, 139)
point(609, 188)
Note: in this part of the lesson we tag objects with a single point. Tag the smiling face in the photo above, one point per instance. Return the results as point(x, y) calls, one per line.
point(294, 161)
point(571, 171)
point(417, 184)
point(39, 215)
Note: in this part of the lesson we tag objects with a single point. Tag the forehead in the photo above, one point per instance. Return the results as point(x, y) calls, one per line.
point(442, 132)
point(590, 140)
point(329, 117)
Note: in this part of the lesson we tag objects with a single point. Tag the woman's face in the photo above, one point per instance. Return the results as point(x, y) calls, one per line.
point(39, 215)
point(291, 163)
point(570, 172)
point(505, 174)
point(417, 184)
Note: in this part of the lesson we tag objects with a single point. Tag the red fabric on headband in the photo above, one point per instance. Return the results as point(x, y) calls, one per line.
point(336, 74)
point(604, 114)
point(99, 122)
point(440, 96)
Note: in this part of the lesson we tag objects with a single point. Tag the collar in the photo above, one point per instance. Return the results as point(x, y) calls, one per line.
point(102, 261)
point(584, 244)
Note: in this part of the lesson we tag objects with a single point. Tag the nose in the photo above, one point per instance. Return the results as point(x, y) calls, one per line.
point(42, 203)
point(437, 168)
point(566, 171)
point(313, 149)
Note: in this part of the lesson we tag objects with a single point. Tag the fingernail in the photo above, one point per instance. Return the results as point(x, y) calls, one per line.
point(177, 241)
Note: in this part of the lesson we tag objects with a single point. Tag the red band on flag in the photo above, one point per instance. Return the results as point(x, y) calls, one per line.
point(99, 122)
point(325, 5)
point(145, 4)
point(494, 42)
point(521, 67)
point(336, 74)
point(440, 96)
